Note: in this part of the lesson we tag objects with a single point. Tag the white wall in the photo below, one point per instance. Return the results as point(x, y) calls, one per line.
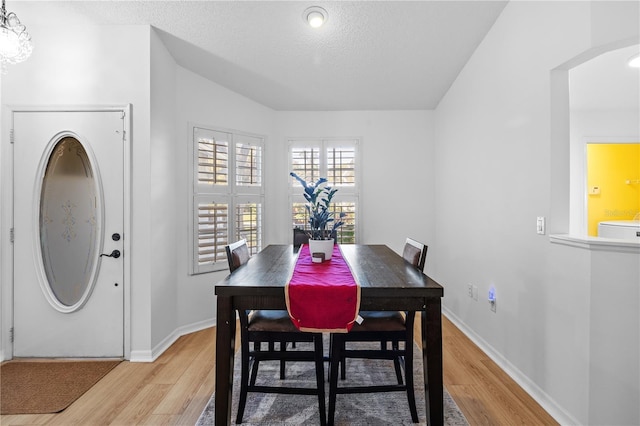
point(164, 197)
point(397, 177)
point(204, 102)
point(494, 171)
point(614, 326)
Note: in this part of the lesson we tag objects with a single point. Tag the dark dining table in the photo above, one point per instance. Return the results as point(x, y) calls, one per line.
point(387, 282)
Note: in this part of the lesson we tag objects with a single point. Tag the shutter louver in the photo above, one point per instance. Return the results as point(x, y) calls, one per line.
point(305, 162)
point(213, 161)
point(213, 231)
point(248, 165)
point(341, 166)
point(347, 232)
point(249, 225)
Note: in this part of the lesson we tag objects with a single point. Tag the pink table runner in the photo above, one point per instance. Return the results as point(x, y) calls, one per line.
point(322, 297)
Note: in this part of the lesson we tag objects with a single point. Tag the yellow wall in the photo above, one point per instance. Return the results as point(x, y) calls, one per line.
point(609, 167)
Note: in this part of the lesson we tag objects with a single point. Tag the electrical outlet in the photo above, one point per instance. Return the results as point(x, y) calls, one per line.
point(492, 299)
point(469, 290)
point(475, 292)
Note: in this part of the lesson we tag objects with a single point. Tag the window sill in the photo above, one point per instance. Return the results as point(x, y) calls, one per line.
point(596, 243)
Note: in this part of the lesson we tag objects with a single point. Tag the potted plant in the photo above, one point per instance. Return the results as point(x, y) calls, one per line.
point(322, 223)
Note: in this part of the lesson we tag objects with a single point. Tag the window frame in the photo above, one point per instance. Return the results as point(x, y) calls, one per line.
point(232, 194)
point(346, 193)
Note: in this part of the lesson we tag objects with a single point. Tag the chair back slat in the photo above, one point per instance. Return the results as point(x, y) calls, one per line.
point(237, 254)
point(415, 253)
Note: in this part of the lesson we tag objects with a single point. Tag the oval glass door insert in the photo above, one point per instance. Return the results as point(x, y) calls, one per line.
point(69, 223)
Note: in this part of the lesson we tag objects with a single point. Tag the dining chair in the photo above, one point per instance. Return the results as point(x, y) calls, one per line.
point(271, 327)
point(415, 253)
point(300, 237)
point(380, 327)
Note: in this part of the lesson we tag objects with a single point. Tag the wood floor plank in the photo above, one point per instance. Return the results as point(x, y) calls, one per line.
point(109, 397)
point(26, 419)
point(175, 388)
point(141, 407)
point(178, 360)
point(183, 390)
point(471, 401)
point(163, 419)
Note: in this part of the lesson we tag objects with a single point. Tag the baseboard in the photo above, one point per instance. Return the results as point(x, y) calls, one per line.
point(540, 396)
point(152, 355)
point(141, 356)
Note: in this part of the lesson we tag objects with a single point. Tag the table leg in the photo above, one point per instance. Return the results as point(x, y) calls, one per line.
point(225, 348)
point(432, 361)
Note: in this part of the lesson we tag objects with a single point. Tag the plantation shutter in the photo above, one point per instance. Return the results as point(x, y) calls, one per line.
point(248, 164)
point(213, 157)
point(249, 225)
point(227, 194)
point(305, 162)
point(213, 229)
point(337, 161)
point(341, 166)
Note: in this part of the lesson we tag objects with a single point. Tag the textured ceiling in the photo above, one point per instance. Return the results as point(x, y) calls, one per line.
point(370, 55)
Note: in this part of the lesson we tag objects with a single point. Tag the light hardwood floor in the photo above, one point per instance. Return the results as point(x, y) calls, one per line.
point(174, 389)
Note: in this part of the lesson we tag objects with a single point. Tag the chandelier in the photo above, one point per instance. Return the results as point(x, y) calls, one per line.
point(15, 41)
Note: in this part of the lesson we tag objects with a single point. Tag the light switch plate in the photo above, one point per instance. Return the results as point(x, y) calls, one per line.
point(540, 226)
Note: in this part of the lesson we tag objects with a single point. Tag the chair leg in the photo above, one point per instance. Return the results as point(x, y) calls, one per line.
point(396, 362)
point(319, 361)
point(283, 347)
point(254, 372)
point(244, 382)
point(335, 356)
point(408, 372)
point(329, 359)
point(343, 360)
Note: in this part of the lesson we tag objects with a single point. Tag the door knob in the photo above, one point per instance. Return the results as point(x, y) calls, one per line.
point(115, 254)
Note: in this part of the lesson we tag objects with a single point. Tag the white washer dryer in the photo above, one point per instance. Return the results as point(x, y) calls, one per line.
point(621, 229)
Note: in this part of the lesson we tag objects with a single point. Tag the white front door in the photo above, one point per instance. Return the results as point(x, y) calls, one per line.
point(68, 212)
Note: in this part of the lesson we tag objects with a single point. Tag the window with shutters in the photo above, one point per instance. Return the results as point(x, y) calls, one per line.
point(337, 160)
point(227, 195)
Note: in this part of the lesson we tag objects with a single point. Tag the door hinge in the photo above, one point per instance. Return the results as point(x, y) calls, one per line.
point(124, 131)
point(11, 334)
point(11, 136)
point(12, 235)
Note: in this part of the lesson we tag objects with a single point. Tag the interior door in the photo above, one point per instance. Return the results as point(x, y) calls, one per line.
point(68, 234)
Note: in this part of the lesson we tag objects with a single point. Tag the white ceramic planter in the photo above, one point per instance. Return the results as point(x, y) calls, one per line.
point(322, 246)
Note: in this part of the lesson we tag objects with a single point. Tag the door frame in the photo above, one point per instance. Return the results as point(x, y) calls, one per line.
point(7, 222)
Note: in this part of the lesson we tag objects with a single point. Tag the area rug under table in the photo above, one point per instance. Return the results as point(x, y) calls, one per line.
point(39, 387)
point(389, 408)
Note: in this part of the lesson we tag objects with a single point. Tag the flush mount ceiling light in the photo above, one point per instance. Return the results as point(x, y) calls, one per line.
point(15, 41)
point(315, 16)
point(634, 61)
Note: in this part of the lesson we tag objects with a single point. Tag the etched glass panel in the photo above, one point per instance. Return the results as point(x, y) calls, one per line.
point(68, 222)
